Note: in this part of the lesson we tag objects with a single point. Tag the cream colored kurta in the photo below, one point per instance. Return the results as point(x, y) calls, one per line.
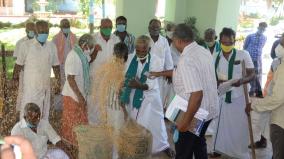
point(37, 61)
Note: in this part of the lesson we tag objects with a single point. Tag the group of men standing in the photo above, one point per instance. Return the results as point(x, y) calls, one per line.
point(157, 67)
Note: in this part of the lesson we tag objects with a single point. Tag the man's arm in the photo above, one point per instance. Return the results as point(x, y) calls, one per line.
point(167, 73)
point(135, 84)
point(95, 53)
point(193, 106)
point(16, 74)
point(246, 43)
point(76, 90)
point(56, 70)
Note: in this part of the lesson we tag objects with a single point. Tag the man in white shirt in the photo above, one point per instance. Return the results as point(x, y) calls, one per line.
point(160, 48)
point(106, 40)
point(30, 31)
point(142, 96)
point(194, 80)
point(38, 56)
point(232, 135)
point(39, 132)
point(77, 86)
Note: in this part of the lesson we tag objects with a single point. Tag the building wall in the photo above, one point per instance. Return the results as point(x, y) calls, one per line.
point(209, 13)
point(138, 14)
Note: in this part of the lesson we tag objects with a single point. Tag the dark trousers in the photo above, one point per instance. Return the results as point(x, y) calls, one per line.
point(189, 144)
point(256, 82)
point(277, 139)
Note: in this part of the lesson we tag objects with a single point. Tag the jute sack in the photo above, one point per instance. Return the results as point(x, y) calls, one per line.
point(94, 142)
point(135, 142)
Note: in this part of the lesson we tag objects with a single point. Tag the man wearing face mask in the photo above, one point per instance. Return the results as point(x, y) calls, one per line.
point(160, 47)
point(254, 44)
point(30, 33)
point(106, 40)
point(210, 41)
point(232, 121)
point(77, 86)
point(38, 56)
point(272, 104)
point(260, 120)
point(39, 132)
point(142, 97)
point(126, 37)
point(64, 41)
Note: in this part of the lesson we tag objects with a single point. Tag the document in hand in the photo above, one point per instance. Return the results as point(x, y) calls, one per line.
point(178, 107)
point(226, 86)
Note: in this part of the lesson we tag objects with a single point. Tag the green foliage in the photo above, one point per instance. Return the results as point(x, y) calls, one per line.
point(275, 20)
point(246, 24)
point(77, 24)
point(191, 21)
point(5, 25)
point(254, 15)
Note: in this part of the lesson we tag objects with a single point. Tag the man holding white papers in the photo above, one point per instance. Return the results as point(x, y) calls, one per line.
point(194, 80)
point(232, 135)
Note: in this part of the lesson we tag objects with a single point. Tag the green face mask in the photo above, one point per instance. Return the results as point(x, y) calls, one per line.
point(106, 31)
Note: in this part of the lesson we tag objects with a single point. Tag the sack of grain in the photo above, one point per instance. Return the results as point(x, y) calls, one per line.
point(134, 142)
point(94, 142)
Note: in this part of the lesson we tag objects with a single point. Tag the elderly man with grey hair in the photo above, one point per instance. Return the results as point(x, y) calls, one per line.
point(77, 85)
point(39, 132)
point(142, 95)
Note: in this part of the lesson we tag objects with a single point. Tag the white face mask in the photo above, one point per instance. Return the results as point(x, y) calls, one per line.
point(279, 51)
point(89, 51)
point(170, 34)
point(142, 58)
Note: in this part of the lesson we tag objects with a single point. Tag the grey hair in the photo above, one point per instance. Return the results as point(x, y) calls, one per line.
point(183, 32)
point(86, 39)
point(31, 107)
point(143, 39)
point(210, 31)
point(170, 26)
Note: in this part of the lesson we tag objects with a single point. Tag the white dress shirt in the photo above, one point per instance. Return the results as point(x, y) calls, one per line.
point(38, 140)
point(195, 72)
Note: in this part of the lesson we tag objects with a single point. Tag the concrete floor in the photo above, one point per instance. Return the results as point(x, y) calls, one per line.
point(260, 153)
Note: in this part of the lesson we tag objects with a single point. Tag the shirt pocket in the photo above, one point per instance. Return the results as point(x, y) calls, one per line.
point(237, 72)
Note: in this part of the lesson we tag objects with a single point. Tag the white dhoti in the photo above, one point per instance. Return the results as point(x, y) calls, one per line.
point(232, 135)
point(20, 91)
point(166, 91)
point(260, 121)
point(55, 154)
point(151, 116)
point(39, 97)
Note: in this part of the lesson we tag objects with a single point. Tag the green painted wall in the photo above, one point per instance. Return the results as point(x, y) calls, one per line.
point(209, 13)
point(170, 11)
point(228, 14)
point(138, 14)
point(205, 11)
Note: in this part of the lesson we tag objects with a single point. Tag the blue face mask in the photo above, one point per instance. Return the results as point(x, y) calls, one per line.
point(42, 37)
point(66, 30)
point(260, 31)
point(30, 34)
point(29, 125)
point(121, 27)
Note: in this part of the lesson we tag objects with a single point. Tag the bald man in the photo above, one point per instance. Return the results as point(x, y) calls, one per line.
point(106, 39)
point(38, 56)
point(30, 33)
